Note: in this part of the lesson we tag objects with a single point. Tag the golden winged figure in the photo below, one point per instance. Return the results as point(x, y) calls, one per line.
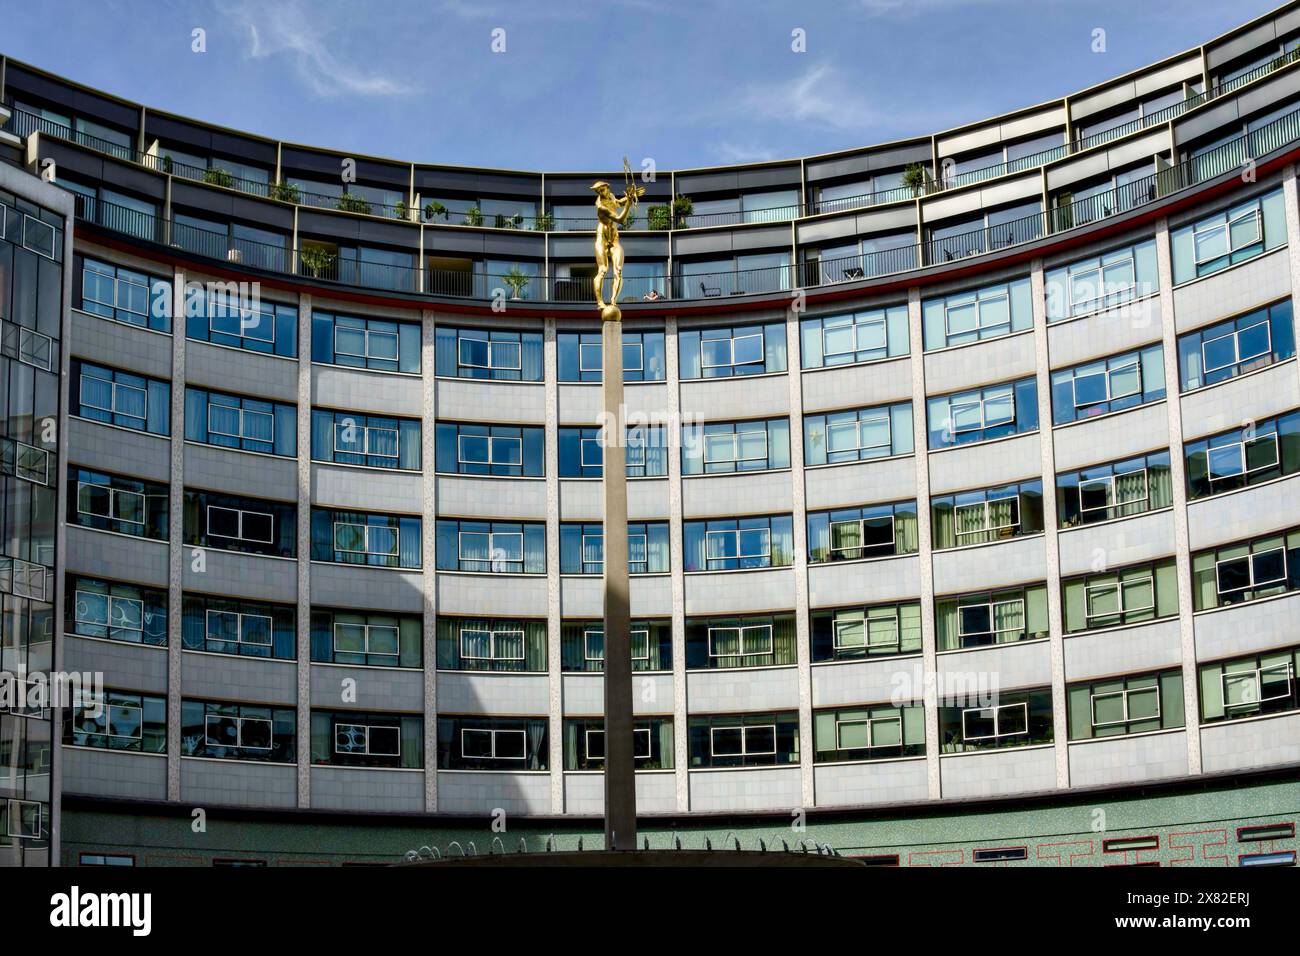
point(612, 212)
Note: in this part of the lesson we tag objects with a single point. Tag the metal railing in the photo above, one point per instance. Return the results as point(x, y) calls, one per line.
point(23, 123)
point(518, 286)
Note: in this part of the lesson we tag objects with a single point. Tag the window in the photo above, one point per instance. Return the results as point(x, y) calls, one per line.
point(1019, 719)
point(580, 356)
point(1108, 385)
point(374, 344)
point(349, 438)
point(1246, 571)
point(1250, 455)
point(491, 547)
point(582, 548)
point(1126, 705)
point(231, 523)
point(853, 337)
point(1114, 490)
point(115, 611)
point(873, 531)
point(752, 641)
point(584, 744)
point(857, 434)
point(113, 720)
point(726, 447)
point(1143, 592)
point(347, 739)
point(1101, 282)
point(732, 544)
point(474, 644)
point(502, 450)
point(102, 859)
point(979, 314)
point(749, 742)
point(983, 413)
point(582, 645)
point(25, 820)
point(724, 353)
point(497, 354)
point(350, 537)
point(1228, 237)
point(123, 295)
point(1225, 350)
point(246, 628)
point(113, 503)
point(241, 321)
point(856, 633)
point(875, 732)
point(1251, 686)
point(369, 638)
point(743, 740)
point(991, 617)
point(492, 743)
point(989, 514)
point(582, 452)
point(231, 421)
point(26, 462)
point(120, 398)
point(238, 731)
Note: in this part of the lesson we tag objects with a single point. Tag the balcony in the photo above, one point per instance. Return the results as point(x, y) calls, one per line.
point(519, 286)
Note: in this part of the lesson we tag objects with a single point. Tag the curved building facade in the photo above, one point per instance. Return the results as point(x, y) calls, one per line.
point(963, 479)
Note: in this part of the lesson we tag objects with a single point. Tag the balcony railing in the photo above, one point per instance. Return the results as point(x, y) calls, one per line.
point(23, 123)
point(517, 286)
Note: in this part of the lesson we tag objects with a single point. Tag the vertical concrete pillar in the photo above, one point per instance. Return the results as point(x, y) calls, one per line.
point(304, 550)
point(176, 534)
point(925, 550)
point(1047, 448)
point(1178, 477)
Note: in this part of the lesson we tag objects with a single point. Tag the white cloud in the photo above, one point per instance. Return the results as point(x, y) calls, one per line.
point(301, 32)
point(729, 152)
point(819, 97)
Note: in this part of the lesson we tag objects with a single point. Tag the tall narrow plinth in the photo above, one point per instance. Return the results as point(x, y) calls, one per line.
point(620, 784)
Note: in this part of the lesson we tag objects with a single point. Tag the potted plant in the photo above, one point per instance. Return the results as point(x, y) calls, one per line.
point(216, 176)
point(518, 281)
point(915, 177)
point(167, 165)
point(659, 217)
point(473, 216)
point(544, 222)
point(351, 202)
point(285, 192)
point(400, 211)
point(433, 209)
point(682, 207)
point(316, 259)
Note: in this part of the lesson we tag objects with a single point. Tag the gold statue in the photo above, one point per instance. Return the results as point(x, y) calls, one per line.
point(612, 212)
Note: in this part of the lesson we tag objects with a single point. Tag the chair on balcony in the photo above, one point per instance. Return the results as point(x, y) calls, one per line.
point(854, 272)
point(710, 292)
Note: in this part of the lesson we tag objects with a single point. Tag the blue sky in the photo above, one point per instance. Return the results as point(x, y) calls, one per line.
point(580, 85)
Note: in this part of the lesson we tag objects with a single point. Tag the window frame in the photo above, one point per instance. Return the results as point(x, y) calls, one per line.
point(239, 729)
point(741, 633)
point(240, 512)
point(493, 733)
point(997, 721)
point(1249, 558)
point(744, 730)
point(239, 627)
point(394, 530)
point(492, 643)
